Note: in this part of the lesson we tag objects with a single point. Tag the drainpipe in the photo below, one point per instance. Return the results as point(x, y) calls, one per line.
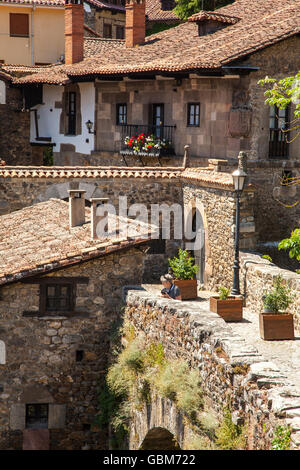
point(32, 35)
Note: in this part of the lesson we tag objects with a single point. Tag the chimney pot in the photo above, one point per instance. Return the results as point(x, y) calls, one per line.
point(76, 207)
point(135, 23)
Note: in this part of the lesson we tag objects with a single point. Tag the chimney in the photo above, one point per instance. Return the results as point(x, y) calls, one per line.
point(135, 23)
point(76, 207)
point(73, 31)
point(95, 219)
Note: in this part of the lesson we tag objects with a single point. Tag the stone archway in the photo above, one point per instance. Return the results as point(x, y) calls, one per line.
point(197, 237)
point(159, 439)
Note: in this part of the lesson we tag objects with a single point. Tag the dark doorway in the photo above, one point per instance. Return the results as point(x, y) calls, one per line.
point(159, 439)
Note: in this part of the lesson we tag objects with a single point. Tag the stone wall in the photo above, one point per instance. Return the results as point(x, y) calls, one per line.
point(230, 368)
point(15, 148)
point(257, 277)
point(217, 209)
point(41, 365)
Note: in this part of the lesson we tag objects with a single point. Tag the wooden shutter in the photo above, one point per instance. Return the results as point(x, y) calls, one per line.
point(19, 24)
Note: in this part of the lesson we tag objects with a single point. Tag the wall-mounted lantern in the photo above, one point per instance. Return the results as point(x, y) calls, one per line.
point(89, 126)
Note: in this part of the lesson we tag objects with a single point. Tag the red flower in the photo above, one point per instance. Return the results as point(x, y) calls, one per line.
point(149, 146)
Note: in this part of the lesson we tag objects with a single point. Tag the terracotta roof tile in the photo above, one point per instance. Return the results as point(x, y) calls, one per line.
point(213, 15)
point(37, 2)
point(263, 23)
point(37, 239)
point(161, 11)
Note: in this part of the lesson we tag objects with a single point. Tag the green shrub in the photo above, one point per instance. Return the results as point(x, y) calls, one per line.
point(279, 298)
point(268, 258)
point(223, 293)
point(282, 438)
point(229, 435)
point(183, 266)
point(292, 244)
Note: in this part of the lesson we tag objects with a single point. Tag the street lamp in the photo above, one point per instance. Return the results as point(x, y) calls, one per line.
point(238, 177)
point(89, 126)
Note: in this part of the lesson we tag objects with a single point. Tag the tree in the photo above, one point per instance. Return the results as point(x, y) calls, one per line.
point(186, 8)
point(282, 93)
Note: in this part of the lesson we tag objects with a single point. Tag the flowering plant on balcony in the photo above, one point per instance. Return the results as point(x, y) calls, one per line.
point(146, 143)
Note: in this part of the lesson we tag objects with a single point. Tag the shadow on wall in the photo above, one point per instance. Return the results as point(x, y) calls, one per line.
point(159, 439)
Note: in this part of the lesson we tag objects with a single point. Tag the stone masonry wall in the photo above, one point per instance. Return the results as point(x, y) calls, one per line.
point(41, 352)
point(257, 277)
point(230, 368)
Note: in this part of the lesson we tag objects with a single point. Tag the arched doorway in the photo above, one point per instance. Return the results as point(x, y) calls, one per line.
point(159, 439)
point(198, 252)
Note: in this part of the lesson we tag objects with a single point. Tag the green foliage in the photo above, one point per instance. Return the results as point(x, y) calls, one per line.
point(186, 8)
point(183, 266)
point(282, 438)
point(268, 258)
point(48, 156)
point(223, 293)
point(292, 244)
point(283, 92)
point(279, 298)
point(230, 436)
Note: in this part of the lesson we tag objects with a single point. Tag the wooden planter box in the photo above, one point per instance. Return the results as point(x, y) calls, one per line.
point(230, 309)
point(188, 289)
point(274, 326)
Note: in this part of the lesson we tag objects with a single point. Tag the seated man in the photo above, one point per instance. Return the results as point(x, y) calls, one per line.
point(169, 291)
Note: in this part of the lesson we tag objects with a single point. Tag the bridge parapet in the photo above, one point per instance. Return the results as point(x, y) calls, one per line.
point(230, 369)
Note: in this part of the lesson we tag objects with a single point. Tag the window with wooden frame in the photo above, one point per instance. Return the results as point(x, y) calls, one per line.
point(19, 25)
point(70, 119)
point(36, 416)
point(120, 32)
point(278, 136)
point(57, 296)
point(107, 30)
point(193, 114)
point(71, 113)
point(121, 114)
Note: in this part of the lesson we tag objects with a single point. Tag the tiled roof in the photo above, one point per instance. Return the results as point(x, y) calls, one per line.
point(210, 177)
point(37, 2)
point(37, 239)
point(105, 5)
point(89, 172)
point(161, 10)
point(213, 16)
point(263, 23)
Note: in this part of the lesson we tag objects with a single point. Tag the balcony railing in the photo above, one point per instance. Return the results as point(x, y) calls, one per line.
point(278, 144)
point(146, 141)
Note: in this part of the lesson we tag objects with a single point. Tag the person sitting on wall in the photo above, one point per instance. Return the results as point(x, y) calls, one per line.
point(170, 291)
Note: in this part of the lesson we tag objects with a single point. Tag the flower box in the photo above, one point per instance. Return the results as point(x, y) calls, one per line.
point(188, 288)
point(231, 309)
point(276, 326)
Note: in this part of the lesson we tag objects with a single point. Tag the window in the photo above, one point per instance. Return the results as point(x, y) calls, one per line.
point(19, 25)
point(58, 297)
point(121, 114)
point(36, 416)
point(107, 30)
point(72, 113)
point(278, 140)
point(193, 117)
point(158, 120)
point(120, 32)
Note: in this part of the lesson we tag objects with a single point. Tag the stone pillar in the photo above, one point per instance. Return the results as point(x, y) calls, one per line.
point(76, 207)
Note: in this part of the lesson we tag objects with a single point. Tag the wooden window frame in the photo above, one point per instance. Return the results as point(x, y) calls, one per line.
point(278, 145)
point(44, 283)
point(13, 27)
point(72, 113)
point(107, 25)
point(118, 30)
point(118, 114)
point(43, 424)
point(195, 115)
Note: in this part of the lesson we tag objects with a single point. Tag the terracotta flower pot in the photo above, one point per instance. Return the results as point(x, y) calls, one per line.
point(188, 288)
point(230, 310)
point(276, 326)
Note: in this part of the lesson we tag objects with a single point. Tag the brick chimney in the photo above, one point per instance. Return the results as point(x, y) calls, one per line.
point(135, 23)
point(76, 207)
point(74, 20)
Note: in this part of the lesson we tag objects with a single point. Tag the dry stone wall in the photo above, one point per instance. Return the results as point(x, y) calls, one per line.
point(230, 368)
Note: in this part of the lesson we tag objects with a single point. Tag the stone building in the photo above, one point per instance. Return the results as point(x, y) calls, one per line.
point(61, 291)
point(182, 85)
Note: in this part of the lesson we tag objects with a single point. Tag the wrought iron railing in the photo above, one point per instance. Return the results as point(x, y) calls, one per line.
point(278, 144)
point(144, 140)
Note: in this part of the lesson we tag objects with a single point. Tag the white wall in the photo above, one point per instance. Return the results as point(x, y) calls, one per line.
point(49, 117)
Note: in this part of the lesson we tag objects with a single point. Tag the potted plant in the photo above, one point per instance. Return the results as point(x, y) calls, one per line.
point(229, 307)
point(275, 322)
point(184, 271)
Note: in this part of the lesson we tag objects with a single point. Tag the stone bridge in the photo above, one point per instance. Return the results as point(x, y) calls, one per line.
point(231, 367)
